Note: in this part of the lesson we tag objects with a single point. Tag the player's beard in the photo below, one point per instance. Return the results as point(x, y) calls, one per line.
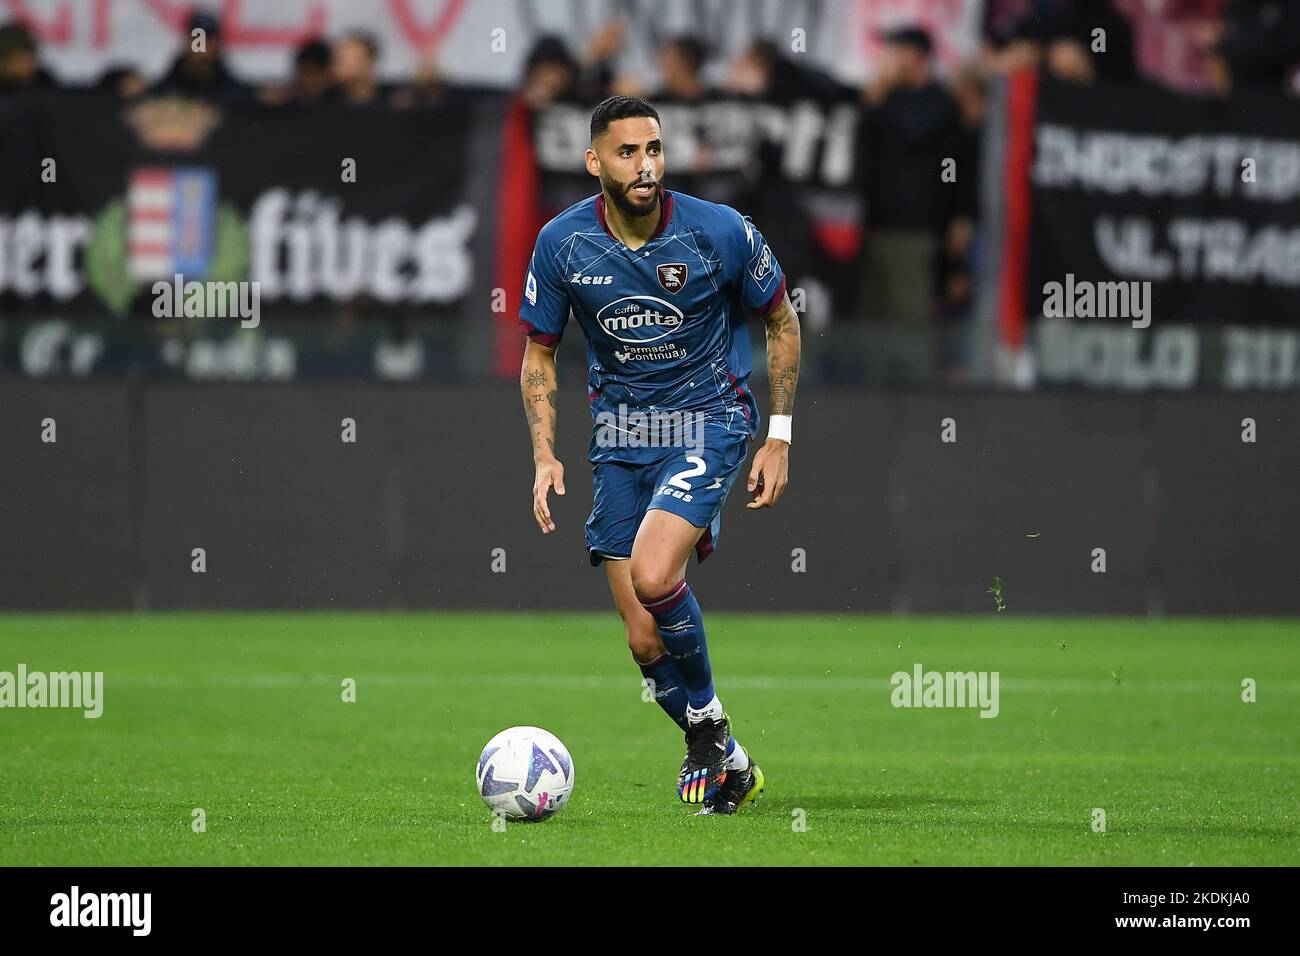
point(624, 200)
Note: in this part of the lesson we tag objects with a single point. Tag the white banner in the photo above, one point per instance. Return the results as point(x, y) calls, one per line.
point(480, 42)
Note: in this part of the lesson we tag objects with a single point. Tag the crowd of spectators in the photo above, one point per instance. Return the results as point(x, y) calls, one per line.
point(914, 278)
point(1210, 46)
point(915, 271)
point(342, 70)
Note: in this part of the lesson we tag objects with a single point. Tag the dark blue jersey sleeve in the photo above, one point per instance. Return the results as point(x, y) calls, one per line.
point(544, 308)
point(759, 275)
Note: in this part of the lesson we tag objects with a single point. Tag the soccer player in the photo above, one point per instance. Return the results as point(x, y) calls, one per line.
point(661, 283)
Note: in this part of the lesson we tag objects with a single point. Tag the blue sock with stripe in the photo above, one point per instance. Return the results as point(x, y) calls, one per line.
point(681, 628)
point(669, 693)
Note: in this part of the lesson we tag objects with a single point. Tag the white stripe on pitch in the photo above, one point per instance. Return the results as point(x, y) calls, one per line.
point(739, 682)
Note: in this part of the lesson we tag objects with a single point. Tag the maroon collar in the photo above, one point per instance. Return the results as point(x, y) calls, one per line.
point(665, 213)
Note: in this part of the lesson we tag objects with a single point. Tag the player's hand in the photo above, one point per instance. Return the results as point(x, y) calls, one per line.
point(550, 474)
point(770, 473)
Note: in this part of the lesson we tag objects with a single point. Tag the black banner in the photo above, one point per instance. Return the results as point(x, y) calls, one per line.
point(310, 241)
point(100, 199)
point(1199, 197)
point(1165, 239)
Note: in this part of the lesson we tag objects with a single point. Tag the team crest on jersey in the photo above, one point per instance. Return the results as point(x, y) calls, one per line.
point(672, 275)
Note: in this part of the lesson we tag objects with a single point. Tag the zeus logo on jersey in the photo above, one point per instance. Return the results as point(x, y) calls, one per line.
point(580, 279)
point(638, 319)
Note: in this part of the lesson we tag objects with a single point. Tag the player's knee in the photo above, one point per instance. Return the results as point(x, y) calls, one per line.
point(651, 579)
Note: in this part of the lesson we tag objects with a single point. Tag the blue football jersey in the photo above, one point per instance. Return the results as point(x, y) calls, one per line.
point(664, 323)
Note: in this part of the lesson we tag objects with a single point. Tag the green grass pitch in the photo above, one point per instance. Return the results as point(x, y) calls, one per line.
point(242, 715)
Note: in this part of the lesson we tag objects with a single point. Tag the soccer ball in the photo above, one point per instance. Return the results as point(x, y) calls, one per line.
point(524, 773)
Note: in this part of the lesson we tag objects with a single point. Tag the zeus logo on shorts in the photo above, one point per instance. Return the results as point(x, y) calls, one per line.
point(639, 319)
point(672, 492)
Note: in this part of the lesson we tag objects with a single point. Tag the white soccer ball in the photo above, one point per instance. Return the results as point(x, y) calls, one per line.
point(525, 773)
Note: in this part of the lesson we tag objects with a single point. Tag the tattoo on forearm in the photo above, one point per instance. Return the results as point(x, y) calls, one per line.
point(783, 357)
point(777, 323)
point(784, 382)
point(540, 400)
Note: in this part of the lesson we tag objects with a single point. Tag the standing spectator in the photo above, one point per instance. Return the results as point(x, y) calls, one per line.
point(1073, 34)
point(1067, 55)
point(124, 82)
point(1008, 20)
point(1015, 45)
point(200, 70)
point(312, 80)
point(910, 127)
point(427, 88)
point(958, 258)
point(1167, 39)
point(20, 67)
point(353, 69)
point(1257, 44)
point(762, 71)
point(681, 67)
point(550, 73)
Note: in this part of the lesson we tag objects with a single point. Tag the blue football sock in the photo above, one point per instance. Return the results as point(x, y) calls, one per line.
point(668, 690)
point(681, 628)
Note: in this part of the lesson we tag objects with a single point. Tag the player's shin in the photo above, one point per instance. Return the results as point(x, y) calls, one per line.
point(666, 686)
point(681, 628)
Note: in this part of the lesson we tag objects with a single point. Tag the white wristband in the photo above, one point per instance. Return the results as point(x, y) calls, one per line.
point(778, 426)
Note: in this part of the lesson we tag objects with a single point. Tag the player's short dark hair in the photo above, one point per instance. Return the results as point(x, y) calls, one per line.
point(617, 108)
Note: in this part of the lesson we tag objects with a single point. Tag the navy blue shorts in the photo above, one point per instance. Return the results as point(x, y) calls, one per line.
point(690, 482)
